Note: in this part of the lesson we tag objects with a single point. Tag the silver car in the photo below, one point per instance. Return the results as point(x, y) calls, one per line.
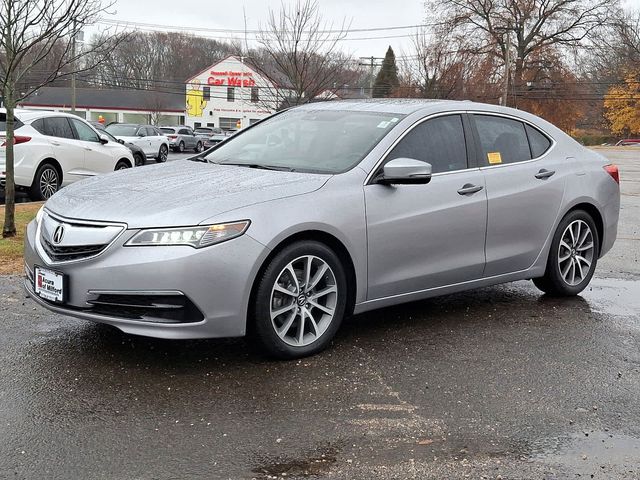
point(323, 211)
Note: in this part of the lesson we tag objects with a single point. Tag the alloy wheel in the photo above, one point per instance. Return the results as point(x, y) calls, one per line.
point(303, 301)
point(164, 153)
point(48, 182)
point(576, 252)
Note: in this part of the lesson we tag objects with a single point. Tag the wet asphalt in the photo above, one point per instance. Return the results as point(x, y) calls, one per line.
point(500, 382)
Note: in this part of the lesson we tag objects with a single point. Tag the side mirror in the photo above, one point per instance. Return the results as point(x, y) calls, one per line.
point(142, 134)
point(103, 138)
point(404, 171)
point(120, 141)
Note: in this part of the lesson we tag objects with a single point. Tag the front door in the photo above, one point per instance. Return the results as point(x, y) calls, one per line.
point(66, 150)
point(427, 236)
point(98, 158)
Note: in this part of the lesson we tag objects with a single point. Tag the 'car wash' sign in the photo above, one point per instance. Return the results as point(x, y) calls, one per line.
point(231, 79)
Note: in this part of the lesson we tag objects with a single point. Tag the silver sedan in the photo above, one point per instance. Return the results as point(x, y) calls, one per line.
point(323, 211)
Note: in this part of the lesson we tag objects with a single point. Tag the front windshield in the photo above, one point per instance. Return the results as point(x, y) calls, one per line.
point(122, 130)
point(323, 141)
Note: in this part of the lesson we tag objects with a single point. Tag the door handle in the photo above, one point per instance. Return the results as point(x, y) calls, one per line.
point(469, 188)
point(88, 149)
point(544, 173)
point(54, 143)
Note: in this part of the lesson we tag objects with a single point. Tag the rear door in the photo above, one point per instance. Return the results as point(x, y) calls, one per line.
point(427, 236)
point(67, 151)
point(98, 158)
point(525, 187)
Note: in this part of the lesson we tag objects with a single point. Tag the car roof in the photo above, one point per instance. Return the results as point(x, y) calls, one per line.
point(28, 115)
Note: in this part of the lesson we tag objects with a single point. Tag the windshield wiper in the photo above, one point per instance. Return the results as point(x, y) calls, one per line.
point(199, 158)
point(260, 166)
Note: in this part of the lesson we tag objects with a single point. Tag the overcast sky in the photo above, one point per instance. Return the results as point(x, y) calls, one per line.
point(229, 14)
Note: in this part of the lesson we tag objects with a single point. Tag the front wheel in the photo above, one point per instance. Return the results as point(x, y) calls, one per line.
point(122, 165)
point(300, 301)
point(163, 153)
point(199, 147)
point(46, 182)
point(573, 256)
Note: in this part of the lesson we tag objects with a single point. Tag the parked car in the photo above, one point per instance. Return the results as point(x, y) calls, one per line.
point(54, 149)
point(634, 142)
point(219, 135)
point(152, 141)
point(324, 210)
point(182, 138)
point(204, 133)
point(137, 152)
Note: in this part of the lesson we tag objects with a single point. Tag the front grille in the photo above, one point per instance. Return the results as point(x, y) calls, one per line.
point(164, 308)
point(66, 254)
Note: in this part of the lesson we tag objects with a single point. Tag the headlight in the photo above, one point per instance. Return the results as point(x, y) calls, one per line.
point(197, 237)
point(39, 215)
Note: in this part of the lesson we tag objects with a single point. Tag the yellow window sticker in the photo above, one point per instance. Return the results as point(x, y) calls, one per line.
point(494, 158)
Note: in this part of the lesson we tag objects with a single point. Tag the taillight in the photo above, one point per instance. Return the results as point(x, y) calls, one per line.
point(172, 137)
point(614, 172)
point(17, 139)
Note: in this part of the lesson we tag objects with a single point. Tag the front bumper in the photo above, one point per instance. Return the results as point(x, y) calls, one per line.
point(216, 279)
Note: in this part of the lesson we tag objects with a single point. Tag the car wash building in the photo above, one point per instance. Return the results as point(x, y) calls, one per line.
point(230, 94)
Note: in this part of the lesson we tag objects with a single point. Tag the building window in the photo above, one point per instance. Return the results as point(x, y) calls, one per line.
point(211, 113)
point(229, 123)
point(231, 94)
point(197, 124)
point(206, 93)
point(255, 95)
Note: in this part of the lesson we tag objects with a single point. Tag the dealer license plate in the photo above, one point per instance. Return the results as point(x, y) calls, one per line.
point(49, 285)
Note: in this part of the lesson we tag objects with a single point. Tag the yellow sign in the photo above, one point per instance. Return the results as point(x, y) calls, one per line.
point(494, 158)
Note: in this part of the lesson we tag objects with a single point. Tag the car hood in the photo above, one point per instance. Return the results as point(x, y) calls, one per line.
point(178, 193)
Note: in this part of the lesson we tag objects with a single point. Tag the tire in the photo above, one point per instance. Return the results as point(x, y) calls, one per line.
point(198, 148)
point(46, 182)
point(122, 165)
point(273, 309)
point(573, 256)
point(138, 159)
point(181, 147)
point(163, 153)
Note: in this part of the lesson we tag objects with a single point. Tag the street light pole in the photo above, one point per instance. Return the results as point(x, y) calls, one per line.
point(73, 74)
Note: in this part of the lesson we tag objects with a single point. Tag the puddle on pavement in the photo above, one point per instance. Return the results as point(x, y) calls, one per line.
point(311, 466)
point(593, 455)
point(614, 296)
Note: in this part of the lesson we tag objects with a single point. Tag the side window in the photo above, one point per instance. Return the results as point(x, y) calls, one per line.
point(183, 131)
point(142, 132)
point(57, 127)
point(38, 125)
point(503, 140)
point(151, 132)
point(538, 141)
point(439, 141)
point(84, 131)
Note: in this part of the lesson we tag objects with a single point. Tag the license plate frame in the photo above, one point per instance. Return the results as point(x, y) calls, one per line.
point(47, 283)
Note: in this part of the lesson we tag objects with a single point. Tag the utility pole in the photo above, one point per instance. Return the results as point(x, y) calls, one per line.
point(73, 75)
point(507, 66)
point(372, 63)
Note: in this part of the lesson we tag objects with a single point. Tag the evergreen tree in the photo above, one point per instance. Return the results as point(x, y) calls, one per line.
point(387, 78)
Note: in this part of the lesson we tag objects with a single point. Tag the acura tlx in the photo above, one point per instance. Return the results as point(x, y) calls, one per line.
point(322, 211)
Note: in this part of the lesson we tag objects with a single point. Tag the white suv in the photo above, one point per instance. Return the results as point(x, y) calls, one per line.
point(55, 149)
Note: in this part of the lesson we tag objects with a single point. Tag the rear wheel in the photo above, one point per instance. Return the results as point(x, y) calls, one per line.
point(163, 153)
point(45, 183)
point(300, 301)
point(181, 147)
point(573, 256)
point(198, 147)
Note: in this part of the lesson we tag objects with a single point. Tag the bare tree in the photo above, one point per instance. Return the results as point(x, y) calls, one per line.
point(32, 33)
point(524, 26)
point(303, 48)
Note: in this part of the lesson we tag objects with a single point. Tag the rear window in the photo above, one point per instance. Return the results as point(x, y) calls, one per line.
point(122, 130)
point(538, 141)
point(167, 130)
point(204, 130)
point(3, 122)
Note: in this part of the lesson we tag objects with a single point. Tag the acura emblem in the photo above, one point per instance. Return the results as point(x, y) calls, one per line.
point(58, 233)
